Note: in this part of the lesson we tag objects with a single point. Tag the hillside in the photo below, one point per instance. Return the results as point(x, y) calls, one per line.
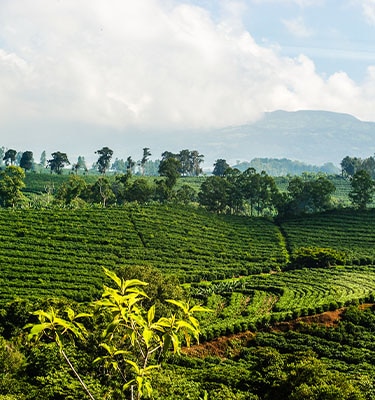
point(62, 251)
point(236, 266)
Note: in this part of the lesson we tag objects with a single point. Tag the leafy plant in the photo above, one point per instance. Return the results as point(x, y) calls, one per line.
point(133, 342)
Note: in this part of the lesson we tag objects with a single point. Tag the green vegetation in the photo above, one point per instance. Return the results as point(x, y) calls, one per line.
point(261, 277)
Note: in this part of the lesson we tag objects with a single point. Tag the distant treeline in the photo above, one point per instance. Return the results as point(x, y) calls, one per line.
point(284, 166)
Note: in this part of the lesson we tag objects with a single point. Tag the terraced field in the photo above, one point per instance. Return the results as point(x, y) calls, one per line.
point(61, 252)
point(344, 230)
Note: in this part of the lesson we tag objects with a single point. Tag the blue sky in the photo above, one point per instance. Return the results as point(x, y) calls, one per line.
point(77, 75)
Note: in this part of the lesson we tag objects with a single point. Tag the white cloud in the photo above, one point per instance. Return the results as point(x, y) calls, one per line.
point(152, 64)
point(297, 27)
point(368, 7)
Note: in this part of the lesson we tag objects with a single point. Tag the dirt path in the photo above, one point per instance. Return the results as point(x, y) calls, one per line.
point(224, 345)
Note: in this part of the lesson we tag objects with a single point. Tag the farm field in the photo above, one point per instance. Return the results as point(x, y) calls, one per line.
point(61, 252)
point(236, 266)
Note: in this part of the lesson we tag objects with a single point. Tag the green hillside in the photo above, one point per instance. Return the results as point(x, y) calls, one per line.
point(61, 252)
point(236, 266)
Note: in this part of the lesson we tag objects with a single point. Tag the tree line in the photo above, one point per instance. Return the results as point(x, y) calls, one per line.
point(189, 162)
point(227, 190)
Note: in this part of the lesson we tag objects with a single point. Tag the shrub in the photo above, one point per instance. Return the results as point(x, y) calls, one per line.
point(317, 257)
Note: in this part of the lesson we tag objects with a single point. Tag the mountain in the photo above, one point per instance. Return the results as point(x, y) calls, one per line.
point(314, 137)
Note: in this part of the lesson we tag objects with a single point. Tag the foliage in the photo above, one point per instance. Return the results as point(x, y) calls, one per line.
point(133, 341)
point(317, 257)
point(10, 157)
point(170, 169)
point(220, 167)
point(58, 162)
point(306, 195)
point(71, 190)
point(363, 189)
point(27, 160)
point(103, 162)
point(11, 183)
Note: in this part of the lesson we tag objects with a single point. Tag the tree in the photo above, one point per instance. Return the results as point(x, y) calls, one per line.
point(350, 165)
point(43, 159)
point(196, 160)
point(213, 194)
point(27, 160)
point(101, 192)
point(145, 157)
point(363, 189)
point(133, 340)
point(11, 183)
point(2, 154)
point(80, 164)
point(71, 190)
point(119, 165)
point(309, 195)
point(58, 162)
point(105, 156)
point(234, 190)
point(130, 164)
point(220, 166)
point(10, 157)
point(140, 191)
point(170, 168)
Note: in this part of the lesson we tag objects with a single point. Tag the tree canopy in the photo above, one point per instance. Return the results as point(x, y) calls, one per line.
point(58, 162)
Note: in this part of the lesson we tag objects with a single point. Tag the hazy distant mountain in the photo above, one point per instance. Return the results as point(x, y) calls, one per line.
point(313, 137)
point(283, 166)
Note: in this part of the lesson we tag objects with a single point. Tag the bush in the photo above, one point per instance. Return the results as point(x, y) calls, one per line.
point(317, 257)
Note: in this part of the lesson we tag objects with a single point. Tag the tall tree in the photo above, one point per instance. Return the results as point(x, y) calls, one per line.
point(105, 156)
point(220, 166)
point(11, 183)
point(43, 159)
point(145, 157)
point(213, 194)
point(170, 169)
point(2, 154)
point(10, 157)
point(309, 194)
point(196, 160)
point(58, 162)
point(101, 192)
point(80, 164)
point(130, 164)
point(27, 160)
point(363, 189)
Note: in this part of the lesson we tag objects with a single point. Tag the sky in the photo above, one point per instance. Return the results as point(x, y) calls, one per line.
point(78, 75)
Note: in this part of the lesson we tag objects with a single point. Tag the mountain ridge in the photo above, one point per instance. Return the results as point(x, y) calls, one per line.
point(312, 136)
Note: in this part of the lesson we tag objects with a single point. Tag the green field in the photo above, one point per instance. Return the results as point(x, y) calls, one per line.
point(62, 251)
point(236, 266)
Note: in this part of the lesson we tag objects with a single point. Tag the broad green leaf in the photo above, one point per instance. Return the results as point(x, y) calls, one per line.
point(133, 282)
point(128, 384)
point(199, 308)
point(38, 329)
point(110, 328)
point(134, 365)
point(113, 276)
point(179, 304)
point(151, 314)
point(70, 313)
point(184, 324)
point(83, 315)
point(147, 335)
point(106, 347)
